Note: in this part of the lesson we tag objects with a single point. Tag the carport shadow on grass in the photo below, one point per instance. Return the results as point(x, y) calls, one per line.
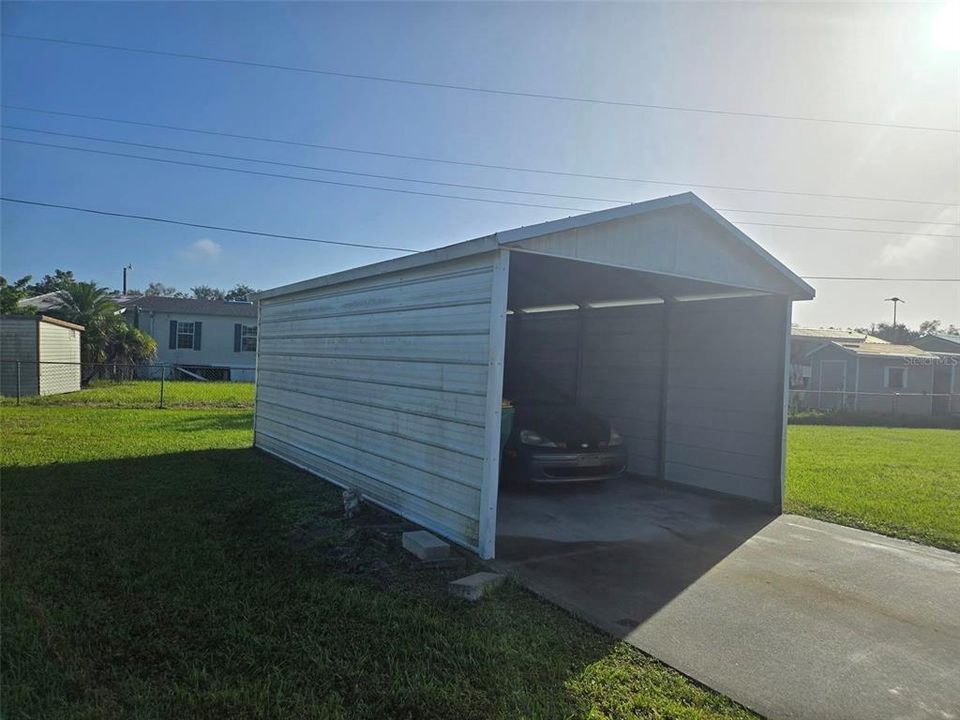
point(618, 553)
point(216, 581)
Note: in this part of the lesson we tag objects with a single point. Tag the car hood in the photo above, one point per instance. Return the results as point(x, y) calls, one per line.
point(567, 425)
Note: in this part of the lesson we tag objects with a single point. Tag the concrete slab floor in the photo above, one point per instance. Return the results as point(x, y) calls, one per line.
point(792, 617)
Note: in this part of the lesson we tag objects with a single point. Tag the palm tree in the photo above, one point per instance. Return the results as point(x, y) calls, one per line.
point(93, 307)
point(106, 337)
point(128, 346)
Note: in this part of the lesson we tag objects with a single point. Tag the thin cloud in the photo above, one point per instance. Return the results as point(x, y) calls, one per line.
point(912, 250)
point(203, 249)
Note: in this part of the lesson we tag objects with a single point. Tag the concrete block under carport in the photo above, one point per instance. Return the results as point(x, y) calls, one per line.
point(690, 373)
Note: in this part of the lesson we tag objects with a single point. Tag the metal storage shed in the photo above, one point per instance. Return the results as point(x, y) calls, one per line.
point(388, 378)
point(39, 355)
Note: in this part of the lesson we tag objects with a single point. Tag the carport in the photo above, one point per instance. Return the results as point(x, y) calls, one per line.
point(660, 316)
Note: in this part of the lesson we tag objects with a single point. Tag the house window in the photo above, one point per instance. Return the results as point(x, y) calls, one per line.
point(895, 378)
point(185, 332)
point(248, 338)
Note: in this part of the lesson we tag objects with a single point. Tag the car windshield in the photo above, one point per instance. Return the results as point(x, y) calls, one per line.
point(527, 386)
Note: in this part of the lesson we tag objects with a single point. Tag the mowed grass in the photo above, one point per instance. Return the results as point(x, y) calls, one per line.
point(146, 394)
point(155, 566)
point(903, 482)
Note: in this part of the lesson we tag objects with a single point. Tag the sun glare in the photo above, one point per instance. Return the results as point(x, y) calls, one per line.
point(946, 27)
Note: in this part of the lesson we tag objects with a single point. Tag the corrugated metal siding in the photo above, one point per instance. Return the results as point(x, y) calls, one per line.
point(620, 377)
point(619, 367)
point(18, 341)
point(547, 344)
point(380, 385)
point(673, 241)
point(724, 396)
point(59, 345)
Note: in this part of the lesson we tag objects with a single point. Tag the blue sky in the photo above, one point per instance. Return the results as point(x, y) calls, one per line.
point(861, 62)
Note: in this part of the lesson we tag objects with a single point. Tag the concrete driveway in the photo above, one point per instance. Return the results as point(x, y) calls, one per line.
point(792, 617)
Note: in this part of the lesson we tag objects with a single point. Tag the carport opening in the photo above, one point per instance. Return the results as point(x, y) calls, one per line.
point(634, 351)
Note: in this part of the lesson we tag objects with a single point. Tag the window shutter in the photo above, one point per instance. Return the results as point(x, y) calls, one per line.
point(173, 334)
point(196, 336)
point(237, 330)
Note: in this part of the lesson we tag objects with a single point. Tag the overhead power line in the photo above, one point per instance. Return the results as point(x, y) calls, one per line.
point(401, 178)
point(467, 163)
point(170, 221)
point(478, 89)
point(420, 192)
point(221, 228)
point(292, 177)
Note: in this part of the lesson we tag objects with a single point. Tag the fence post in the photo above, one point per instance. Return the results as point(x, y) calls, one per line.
point(163, 375)
point(18, 382)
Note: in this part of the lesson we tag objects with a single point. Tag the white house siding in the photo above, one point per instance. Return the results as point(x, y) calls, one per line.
point(914, 398)
point(60, 353)
point(216, 342)
point(380, 384)
point(863, 383)
point(724, 405)
point(18, 341)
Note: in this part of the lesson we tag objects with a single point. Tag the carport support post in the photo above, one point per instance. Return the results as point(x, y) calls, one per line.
point(667, 321)
point(491, 455)
point(784, 385)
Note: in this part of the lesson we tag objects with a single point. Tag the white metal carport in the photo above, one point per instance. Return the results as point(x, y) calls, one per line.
point(388, 378)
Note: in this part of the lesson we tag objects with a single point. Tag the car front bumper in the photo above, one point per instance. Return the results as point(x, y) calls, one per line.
point(548, 468)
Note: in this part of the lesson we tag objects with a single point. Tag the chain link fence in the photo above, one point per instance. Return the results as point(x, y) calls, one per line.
point(118, 385)
point(910, 403)
point(895, 409)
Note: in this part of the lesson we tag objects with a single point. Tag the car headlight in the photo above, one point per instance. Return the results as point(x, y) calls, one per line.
point(615, 438)
point(530, 437)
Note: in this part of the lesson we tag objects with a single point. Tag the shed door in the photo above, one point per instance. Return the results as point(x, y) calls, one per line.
point(941, 389)
point(832, 384)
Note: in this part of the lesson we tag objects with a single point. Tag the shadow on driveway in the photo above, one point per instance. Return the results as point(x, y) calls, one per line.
point(792, 617)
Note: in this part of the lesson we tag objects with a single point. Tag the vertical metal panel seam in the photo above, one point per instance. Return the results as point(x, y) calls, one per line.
point(666, 318)
point(784, 395)
point(256, 373)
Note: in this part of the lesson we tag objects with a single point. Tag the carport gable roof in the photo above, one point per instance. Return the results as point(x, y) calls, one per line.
point(786, 281)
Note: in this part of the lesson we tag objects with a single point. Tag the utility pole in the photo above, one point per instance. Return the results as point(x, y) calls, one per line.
point(895, 300)
point(125, 268)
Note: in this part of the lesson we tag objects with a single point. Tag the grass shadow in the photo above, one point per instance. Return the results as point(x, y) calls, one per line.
point(224, 583)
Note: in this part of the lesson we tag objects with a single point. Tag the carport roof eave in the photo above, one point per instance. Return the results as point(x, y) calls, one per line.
point(489, 243)
point(467, 248)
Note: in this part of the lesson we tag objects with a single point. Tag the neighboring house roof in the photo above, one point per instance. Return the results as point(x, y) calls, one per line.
point(955, 339)
point(56, 300)
point(832, 334)
point(190, 306)
point(799, 288)
point(881, 350)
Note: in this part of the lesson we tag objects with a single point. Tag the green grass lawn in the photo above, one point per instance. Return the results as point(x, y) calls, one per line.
point(155, 566)
point(146, 394)
point(903, 482)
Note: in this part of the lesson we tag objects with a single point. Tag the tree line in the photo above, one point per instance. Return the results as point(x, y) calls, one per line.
point(107, 337)
point(63, 279)
point(900, 334)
